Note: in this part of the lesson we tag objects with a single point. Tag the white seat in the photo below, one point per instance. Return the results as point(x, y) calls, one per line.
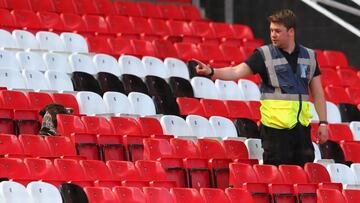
point(176, 68)
point(223, 127)
point(31, 60)
point(228, 90)
point(317, 152)
point(59, 81)
point(325, 162)
point(142, 104)
point(132, 65)
point(90, 103)
point(13, 192)
point(117, 103)
point(41, 192)
point(35, 80)
point(204, 88)
point(340, 173)
point(50, 41)
point(315, 117)
point(57, 62)
point(8, 60)
point(106, 63)
point(25, 39)
point(199, 126)
point(175, 125)
point(333, 113)
point(249, 89)
point(355, 168)
point(355, 129)
point(74, 42)
point(255, 149)
point(11, 79)
point(82, 63)
point(154, 66)
point(7, 40)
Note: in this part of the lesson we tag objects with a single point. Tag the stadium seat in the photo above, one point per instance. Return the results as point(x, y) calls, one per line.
point(95, 24)
point(254, 148)
point(157, 148)
point(31, 61)
point(46, 5)
point(156, 194)
point(73, 193)
point(340, 173)
point(223, 127)
point(10, 145)
point(96, 170)
point(213, 195)
point(11, 79)
point(132, 65)
point(8, 61)
point(142, 48)
point(12, 191)
point(166, 105)
point(127, 8)
point(212, 53)
point(71, 170)
point(351, 150)
point(200, 126)
point(329, 77)
point(238, 109)
point(133, 83)
point(74, 42)
point(43, 169)
point(247, 128)
point(109, 82)
point(191, 12)
point(228, 90)
point(176, 68)
point(57, 62)
point(35, 80)
point(25, 39)
point(202, 29)
point(99, 44)
point(117, 103)
point(164, 48)
point(142, 27)
point(14, 168)
point(241, 173)
point(157, 86)
point(225, 33)
point(123, 170)
point(106, 63)
point(242, 31)
point(86, 145)
point(154, 67)
point(182, 30)
point(186, 195)
point(336, 58)
point(249, 89)
point(34, 145)
point(339, 131)
point(82, 63)
point(90, 103)
point(150, 170)
point(355, 129)
point(174, 125)
point(26, 19)
point(336, 95)
point(187, 51)
point(87, 7)
point(98, 194)
point(50, 41)
point(61, 146)
point(234, 194)
point(7, 41)
point(43, 192)
point(181, 87)
point(351, 195)
point(159, 27)
point(105, 7)
point(348, 77)
point(204, 88)
point(85, 82)
point(121, 26)
point(235, 149)
point(97, 125)
point(73, 22)
point(111, 147)
point(214, 107)
point(268, 174)
point(120, 46)
point(329, 196)
point(333, 113)
point(67, 100)
point(67, 6)
point(14, 100)
point(135, 194)
point(142, 104)
point(68, 124)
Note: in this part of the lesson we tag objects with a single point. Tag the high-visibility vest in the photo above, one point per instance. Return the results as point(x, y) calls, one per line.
point(284, 100)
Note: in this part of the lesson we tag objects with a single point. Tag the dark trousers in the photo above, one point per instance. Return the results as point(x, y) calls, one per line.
point(287, 146)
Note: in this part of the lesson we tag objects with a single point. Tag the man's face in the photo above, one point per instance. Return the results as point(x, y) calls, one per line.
point(280, 36)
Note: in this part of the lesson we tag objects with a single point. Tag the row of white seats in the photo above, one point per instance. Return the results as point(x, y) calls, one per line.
point(34, 192)
point(348, 176)
point(43, 40)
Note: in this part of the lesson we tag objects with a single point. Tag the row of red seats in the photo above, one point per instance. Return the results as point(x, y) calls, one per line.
point(331, 59)
point(107, 7)
point(341, 78)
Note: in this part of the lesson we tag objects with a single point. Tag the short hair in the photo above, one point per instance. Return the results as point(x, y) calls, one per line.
point(285, 17)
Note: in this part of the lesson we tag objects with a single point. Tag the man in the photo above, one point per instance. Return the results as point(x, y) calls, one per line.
point(288, 71)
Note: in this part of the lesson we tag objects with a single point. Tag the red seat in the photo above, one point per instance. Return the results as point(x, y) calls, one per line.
point(293, 174)
point(61, 146)
point(120, 46)
point(34, 145)
point(171, 11)
point(43, 169)
point(127, 8)
point(234, 194)
point(351, 195)
point(42, 5)
point(100, 194)
point(348, 77)
point(354, 94)
point(13, 100)
point(241, 173)
point(67, 100)
point(68, 124)
point(97, 125)
point(97, 171)
point(190, 12)
point(254, 107)
point(321, 59)
point(238, 109)
point(14, 168)
point(316, 173)
point(18, 4)
point(38, 100)
point(339, 131)
point(143, 28)
point(212, 53)
point(182, 30)
point(232, 53)
point(159, 27)
point(158, 195)
point(268, 173)
point(225, 33)
point(242, 31)
point(142, 48)
point(87, 6)
point(149, 10)
point(65, 6)
point(351, 151)
point(214, 195)
point(6, 20)
point(51, 21)
point(105, 7)
point(336, 58)
point(150, 126)
point(121, 26)
point(190, 106)
point(150, 170)
point(71, 170)
point(96, 24)
point(235, 149)
point(186, 195)
point(86, 145)
point(111, 147)
point(131, 194)
point(187, 51)
point(336, 95)
point(7, 124)
point(73, 22)
point(99, 44)
point(10, 145)
point(157, 148)
point(329, 196)
point(123, 170)
point(213, 107)
point(164, 48)
point(202, 29)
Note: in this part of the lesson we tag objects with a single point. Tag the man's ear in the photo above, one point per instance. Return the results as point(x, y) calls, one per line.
point(291, 31)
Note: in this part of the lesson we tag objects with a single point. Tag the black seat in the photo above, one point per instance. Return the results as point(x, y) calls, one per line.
point(109, 82)
point(72, 193)
point(166, 105)
point(247, 128)
point(133, 83)
point(85, 82)
point(332, 150)
point(349, 112)
point(157, 86)
point(181, 87)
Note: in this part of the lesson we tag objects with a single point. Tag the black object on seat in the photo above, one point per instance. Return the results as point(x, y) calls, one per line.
point(166, 105)
point(332, 150)
point(157, 86)
point(109, 82)
point(72, 193)
point(85, 82)
point(133, 83)
point(247, 128)
point(181, 87)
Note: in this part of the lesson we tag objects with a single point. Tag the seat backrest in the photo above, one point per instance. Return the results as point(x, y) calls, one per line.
point(90, 103)
point(157, 194)
point(200, 126)
point(228, 90)
point(25, 39)
point(35, 80)
point(67, 100)
point(74, 42)
point(329, 196)
point(213, 195)
point(181, 87)
point(11, 79)
point(123, 170)
point(14, 99)
point(223, 127)
point(106, 63)
point(34, 145)
point(235, 149)
point(50, 41)
point(132, 65)
point(85, 82)
point(57, 62)
point(154, 66)
point(8, 60)
point(82, 63)
point(176, 68)
point(59, 81)
point(67, 124)
point(210, 148)
point(14, 192)
point(43, 192)
point(241, 173)
point(61, 145)
point(186, 195)
point(73, 193)
point(351, 195)
point(142, 104)
point(341, 173)
point(97, 125)
point(135, 194)
point(96, 169)
point(268, 173)
point(175, 125)
point(255, 148)
point(31, 60)
point(293, 174)
point(204, 88)
point(6, 40)
point(333, 113)
point(249, 89)
point(70, 169)
point(355, 129)
point(355, 168)
point(117, 103)
point(98, 194)
point(316, 173)
point(157, 148)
